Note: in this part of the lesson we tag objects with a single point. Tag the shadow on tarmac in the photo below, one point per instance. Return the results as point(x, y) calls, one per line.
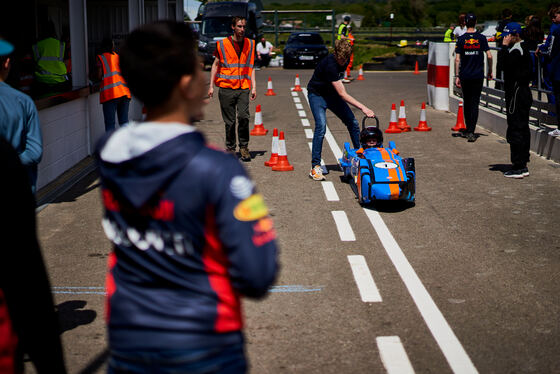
point(502, 168)
point(72, 315)
point(94, 365)
point(84, 186)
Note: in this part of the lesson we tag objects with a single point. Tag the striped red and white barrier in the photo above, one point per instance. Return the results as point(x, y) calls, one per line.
point(438, 75)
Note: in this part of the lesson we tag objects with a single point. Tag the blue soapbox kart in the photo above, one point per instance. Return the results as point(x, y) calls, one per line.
point(379, 173)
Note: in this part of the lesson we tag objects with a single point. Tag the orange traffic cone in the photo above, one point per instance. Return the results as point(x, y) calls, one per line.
point(460, 125)
point(297, 87)
point(402, 118)
point(282, 164)
point(274, 151)
point(259, 129)
point(270, 91)
point(393, 127)
point(416, 68)
point(361, 74)
point(423, 125)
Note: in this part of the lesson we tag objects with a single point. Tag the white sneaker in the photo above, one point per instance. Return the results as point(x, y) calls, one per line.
point(317, 173)
point(345, 80)
point(554, 132)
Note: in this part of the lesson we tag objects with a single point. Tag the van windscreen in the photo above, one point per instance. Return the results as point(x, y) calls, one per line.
point(216, 26)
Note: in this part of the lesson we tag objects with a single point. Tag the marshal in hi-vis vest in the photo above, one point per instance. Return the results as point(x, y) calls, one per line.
point(49, 57)
point(235, 71)
point(113, 85)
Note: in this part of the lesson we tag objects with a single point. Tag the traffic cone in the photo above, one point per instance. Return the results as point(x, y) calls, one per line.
point(297, 87)
point(361, 74)
point(282, 164)
point(416, 68)
point(274, 151)
point(270, 91)
point(402, 118)
point(423, 125)
point(393, 127)
point(460, 125)
point(259, 129)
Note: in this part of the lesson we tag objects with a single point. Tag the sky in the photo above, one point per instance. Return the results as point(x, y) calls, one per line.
point(191, 7)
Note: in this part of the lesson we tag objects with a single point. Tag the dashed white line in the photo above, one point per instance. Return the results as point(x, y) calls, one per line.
point(393, 355)
point(302, 113)
point(451, 347)
point(299, 106)
point(309, 133)
point(343, 226)
point(364, 280)
point(297, 99)
point(330, 192)
point(305, 122)
point(294, 93)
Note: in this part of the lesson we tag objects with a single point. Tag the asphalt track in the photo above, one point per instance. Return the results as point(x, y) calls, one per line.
point(466, 281)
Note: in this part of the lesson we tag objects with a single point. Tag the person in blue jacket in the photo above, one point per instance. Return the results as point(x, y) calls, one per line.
point(19, 120)
point(190, 233)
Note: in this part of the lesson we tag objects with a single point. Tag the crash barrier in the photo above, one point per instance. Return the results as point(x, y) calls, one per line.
point(492, 116)
point(438, 75)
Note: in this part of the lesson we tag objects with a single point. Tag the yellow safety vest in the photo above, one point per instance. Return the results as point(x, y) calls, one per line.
point(49, 57)
point(448, 36)
point(342, 30)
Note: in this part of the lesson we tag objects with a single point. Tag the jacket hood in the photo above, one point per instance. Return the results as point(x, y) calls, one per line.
point(139, 160)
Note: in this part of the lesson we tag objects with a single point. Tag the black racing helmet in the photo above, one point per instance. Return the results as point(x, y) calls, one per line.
point(370, 134)
point(347, 18)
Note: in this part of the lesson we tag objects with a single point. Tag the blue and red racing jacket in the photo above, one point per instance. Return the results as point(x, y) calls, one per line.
point(190, 237)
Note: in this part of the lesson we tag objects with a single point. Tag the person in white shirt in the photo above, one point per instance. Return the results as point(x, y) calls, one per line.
point(264, 48)
point(461, 27)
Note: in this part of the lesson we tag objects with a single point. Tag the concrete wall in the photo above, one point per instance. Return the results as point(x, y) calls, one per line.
point(70, 132)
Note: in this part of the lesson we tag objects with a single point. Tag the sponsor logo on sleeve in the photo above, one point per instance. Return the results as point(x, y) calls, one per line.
point(251, 209)
point(263, 232)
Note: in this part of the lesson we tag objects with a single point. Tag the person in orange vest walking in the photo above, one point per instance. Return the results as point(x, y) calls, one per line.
point(114, 94)
point(350, 38)
point(233, 72)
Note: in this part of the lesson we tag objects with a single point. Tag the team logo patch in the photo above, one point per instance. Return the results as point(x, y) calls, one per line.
point(241, 187)
point(263, 232)
point(251, 209)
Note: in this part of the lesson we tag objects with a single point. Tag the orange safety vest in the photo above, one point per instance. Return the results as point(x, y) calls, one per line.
point(113, 85)
point(235, 71)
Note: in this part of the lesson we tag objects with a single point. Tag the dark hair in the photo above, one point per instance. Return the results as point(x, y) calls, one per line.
point(106, 45)
point(236, 19)
point(533, 31)
point(154, 57)
point(507, 13)
point(461, 20)
point(470, 20)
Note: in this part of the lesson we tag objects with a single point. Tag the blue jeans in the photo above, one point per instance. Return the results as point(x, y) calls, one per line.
point(120, 106)
point(340, 108)
point(224, 360)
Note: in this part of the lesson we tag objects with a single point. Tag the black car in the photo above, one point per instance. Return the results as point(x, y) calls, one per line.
point(304, 49)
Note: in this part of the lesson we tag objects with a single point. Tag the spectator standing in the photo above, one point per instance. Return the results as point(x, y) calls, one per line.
point(549, 54)
point(264, 49)
point(469, 65)
point(19, 120)
point(517, 76)
point(326, 91)
point(114, 94)
point(190, 233)
point(233, 72)
point(343, 30)
point(461, 27)
point(28, 322)
point(448, 37)
point(351, 39)
point(533, 35)
point(507, 14)
point(50, 68)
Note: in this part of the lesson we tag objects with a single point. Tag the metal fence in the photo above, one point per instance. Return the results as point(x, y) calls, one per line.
point(542, 111)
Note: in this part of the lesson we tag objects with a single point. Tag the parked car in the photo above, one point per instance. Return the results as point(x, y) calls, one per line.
point(304, 49)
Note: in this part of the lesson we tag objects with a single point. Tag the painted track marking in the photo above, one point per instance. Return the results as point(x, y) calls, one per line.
point(309, 133)
point(364, 280)
point(343, 226)
point(305, 122)
point(393, 355)
point(330, 191)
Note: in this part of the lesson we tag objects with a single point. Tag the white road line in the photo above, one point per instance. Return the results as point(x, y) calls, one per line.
point(364, 280)
point(309, 133)
point(297, 99)
point(294, 93)
point(330, 192)
point(305, 122)
point(393, 355)
point(302, 113)
point(451, 347)
point(299, 106)
point(343, 225)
